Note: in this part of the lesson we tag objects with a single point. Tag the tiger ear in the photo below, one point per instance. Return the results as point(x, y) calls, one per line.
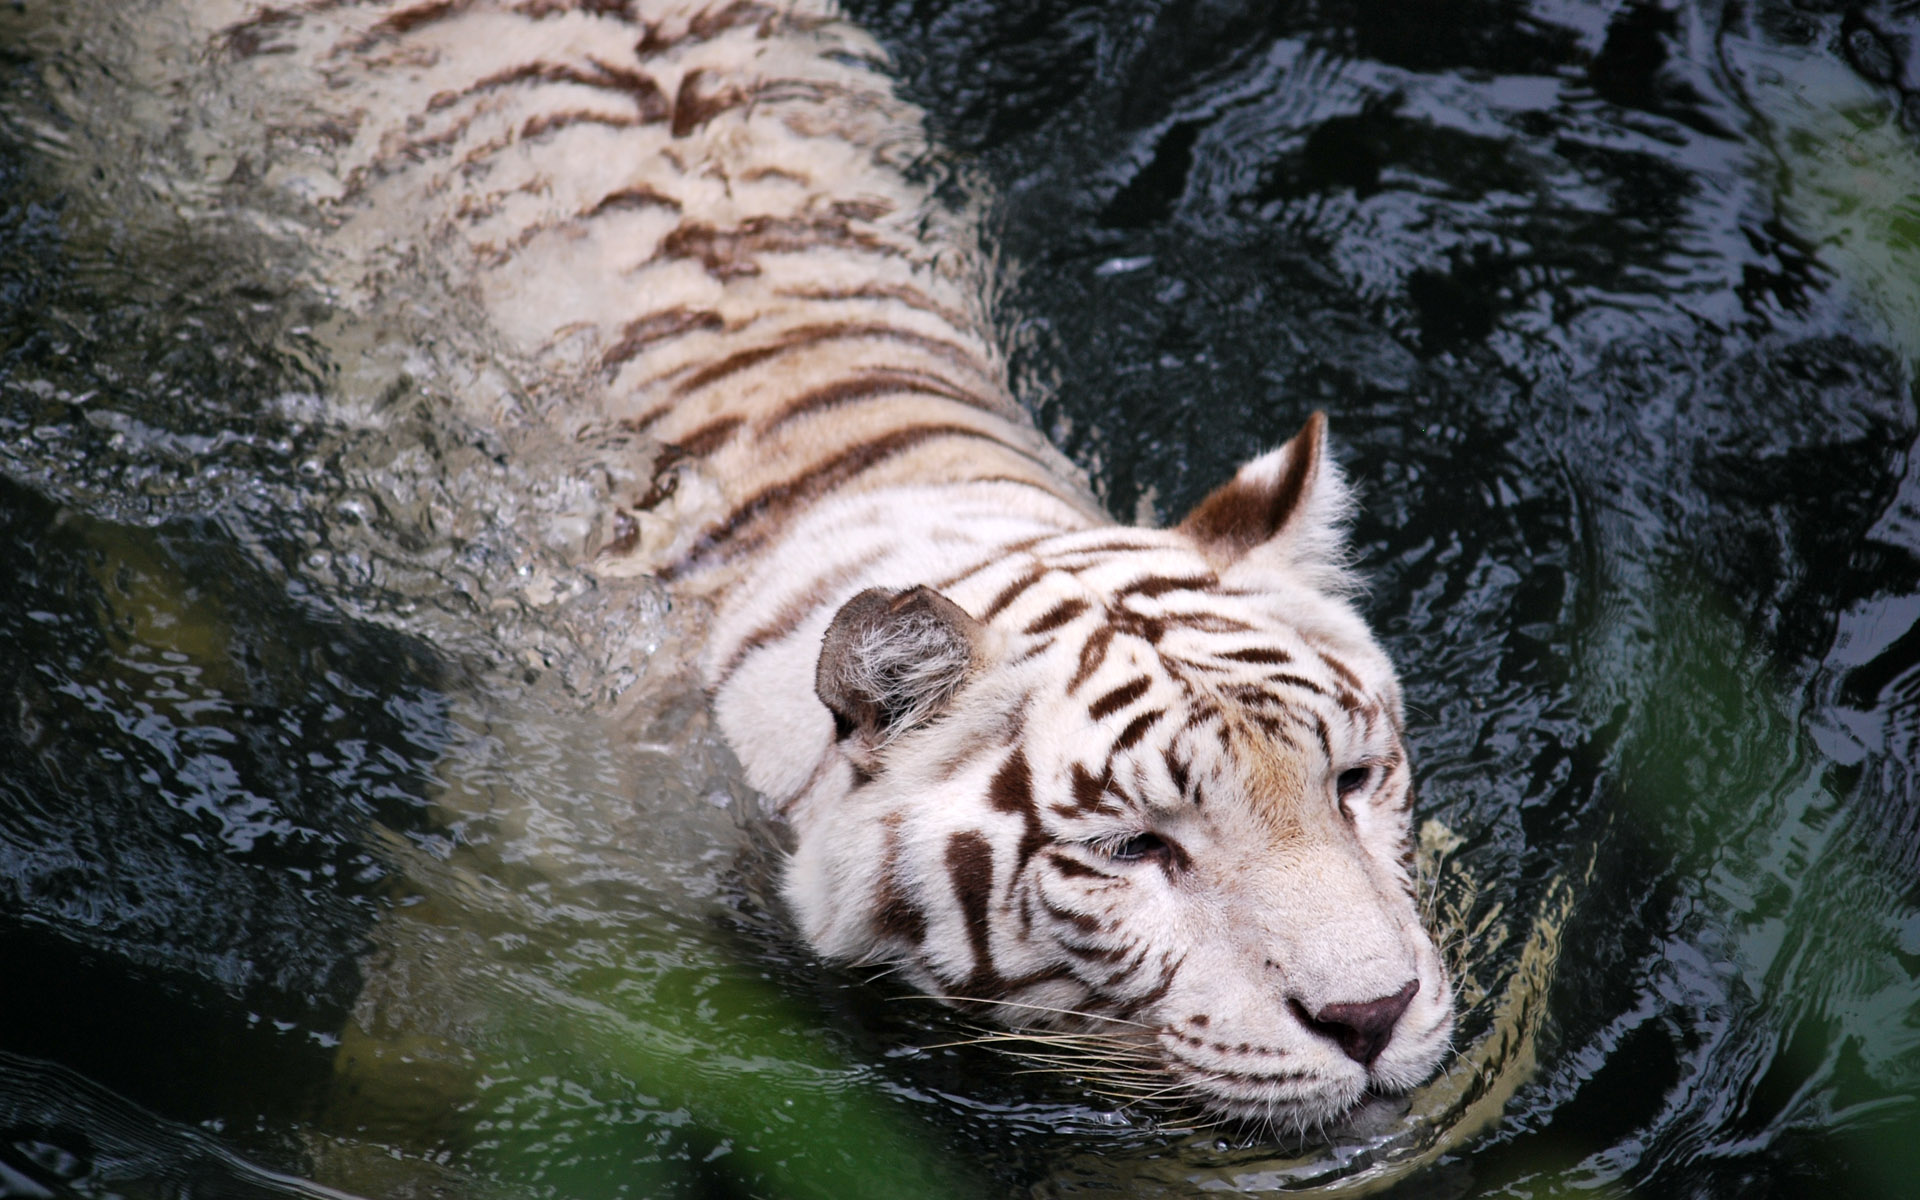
point(891, 661)
point(1287, 508)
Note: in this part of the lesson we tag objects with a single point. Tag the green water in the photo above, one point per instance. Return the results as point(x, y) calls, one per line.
point(347, 842)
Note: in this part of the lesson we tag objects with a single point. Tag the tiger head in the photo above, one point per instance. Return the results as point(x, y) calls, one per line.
point(1143, 793)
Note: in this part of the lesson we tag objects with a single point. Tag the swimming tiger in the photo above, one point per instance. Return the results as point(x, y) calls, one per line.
point(1138, 789)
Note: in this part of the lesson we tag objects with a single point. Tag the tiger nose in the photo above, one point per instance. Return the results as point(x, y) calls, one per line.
point(1361, 1029)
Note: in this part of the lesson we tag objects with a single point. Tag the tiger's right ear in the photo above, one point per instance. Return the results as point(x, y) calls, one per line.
point(891, 661)
point(1287, 509)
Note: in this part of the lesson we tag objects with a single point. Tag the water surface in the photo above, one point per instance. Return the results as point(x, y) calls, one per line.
point(348, 840)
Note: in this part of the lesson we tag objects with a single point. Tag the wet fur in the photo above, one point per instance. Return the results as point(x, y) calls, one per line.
point(1097, 781)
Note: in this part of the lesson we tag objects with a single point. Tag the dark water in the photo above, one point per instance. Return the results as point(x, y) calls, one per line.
point(1615, 308)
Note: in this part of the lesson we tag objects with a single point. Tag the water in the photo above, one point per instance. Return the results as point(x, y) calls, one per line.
point(347, 840)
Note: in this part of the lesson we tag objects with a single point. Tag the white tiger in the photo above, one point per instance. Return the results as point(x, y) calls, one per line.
point(1145, 784)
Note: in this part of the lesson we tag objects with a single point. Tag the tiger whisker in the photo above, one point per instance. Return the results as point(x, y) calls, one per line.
point(1045, 1038)
point(1077, 1053)
point(1112, 1066)
point(1191, 1123)
point(1118, 1076)
point(1072, 1056)
point(881, 970)
point(1085, 1059)
point(1083, 1041)
point(1044, 1008)
point(1124, 1100)
point(1104, 1070)
point(1167, 1089)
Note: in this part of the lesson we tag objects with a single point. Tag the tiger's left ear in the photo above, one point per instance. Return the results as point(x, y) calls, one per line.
point(890, 662)
point(1285, 509)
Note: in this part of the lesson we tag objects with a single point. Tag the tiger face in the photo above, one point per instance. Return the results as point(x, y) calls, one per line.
point(1145, 785)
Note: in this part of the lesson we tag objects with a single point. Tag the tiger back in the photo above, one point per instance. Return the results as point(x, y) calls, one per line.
point(1140, 792)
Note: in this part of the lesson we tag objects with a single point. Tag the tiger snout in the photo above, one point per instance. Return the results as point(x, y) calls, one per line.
point(1306, 1024)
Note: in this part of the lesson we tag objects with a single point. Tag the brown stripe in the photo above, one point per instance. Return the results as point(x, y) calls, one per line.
point(1057, 616)
point(863, 208)
point(728, 253)
point(693, 107)
point(1178, 772)
point(710, 24)
point(1128, 971)
point(1119, 698)
point(1011, 791)
point(1012, 788)
point(804, 336)
point(658, 327)
point(1168, 972)
point(1135, 730)
point(473, 162)
point(1035, 649)
point(708, 438)
point(249, 38)
point(760, 174)
point(406, 21)
point(1105, 956)
point(1012, 591)
point(732, 364)
point(664, 480)
point(1266, 655)
point(713, 22)
point(1405, 802)
point(1089, 790)
point(910, 296)
point(823, 477)
point(540, 126)
point(1159, 585)
point(650, 103)
point(1252, 695)
point(865, 385)
point(1091, 656)
point(629, 198)
point(895, 914)
point(538, 9)
point(436, 144)
point(1208, 622)
point(970, 871)
point(422, 14)
point(1084, 922)
point(1073, 868)
point(1126, 621)
point(1113, 546)
point(1339, 668)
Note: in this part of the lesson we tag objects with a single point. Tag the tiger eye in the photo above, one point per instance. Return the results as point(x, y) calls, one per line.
point(1352, 780)
point(1141, 846)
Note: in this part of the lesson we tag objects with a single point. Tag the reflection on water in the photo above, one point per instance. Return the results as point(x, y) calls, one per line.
point(347, 834)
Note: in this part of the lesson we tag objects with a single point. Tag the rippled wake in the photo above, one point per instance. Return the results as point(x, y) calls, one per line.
point(349, 833)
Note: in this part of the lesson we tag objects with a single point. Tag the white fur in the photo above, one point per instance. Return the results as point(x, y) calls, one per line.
point(567, 237)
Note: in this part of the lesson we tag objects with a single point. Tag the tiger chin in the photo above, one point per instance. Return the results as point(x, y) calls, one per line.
point(1143, 784)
